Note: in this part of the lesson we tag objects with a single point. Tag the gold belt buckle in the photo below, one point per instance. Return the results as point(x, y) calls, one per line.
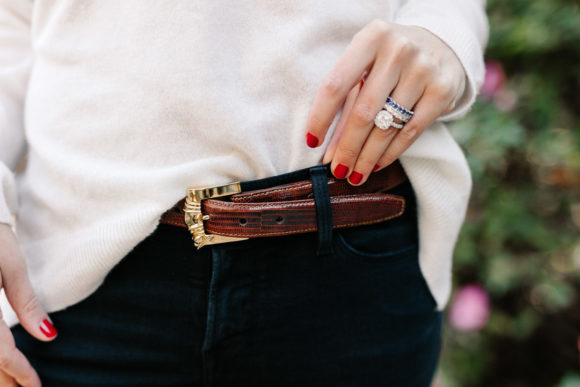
point(194, 218)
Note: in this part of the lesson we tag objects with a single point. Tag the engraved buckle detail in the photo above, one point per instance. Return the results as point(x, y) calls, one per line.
point(194, 218)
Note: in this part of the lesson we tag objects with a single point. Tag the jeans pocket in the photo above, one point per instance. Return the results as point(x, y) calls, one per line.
point(378, 240)
point(391, 250)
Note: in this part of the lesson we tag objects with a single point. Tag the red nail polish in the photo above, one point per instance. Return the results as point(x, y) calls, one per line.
point(311, 140)
point(340, 171)
point(377, 166)
point(355, 177)
point(47, 328)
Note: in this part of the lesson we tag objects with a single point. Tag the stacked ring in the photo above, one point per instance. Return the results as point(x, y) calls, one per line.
point(406, 114)
point(391, 110)
point(396, 113)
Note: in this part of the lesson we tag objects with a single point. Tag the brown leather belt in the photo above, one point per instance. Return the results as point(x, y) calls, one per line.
point(284, 209)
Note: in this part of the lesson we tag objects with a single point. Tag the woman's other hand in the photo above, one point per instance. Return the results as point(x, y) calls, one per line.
point(409, 64)
point(14, 367)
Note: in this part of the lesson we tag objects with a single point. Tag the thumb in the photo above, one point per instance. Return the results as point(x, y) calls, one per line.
point(19, 292)
point(27, 306)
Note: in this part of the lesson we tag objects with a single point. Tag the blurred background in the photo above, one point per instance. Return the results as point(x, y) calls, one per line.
point(514, 315)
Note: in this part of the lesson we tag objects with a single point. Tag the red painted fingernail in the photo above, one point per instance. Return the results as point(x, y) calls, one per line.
point(311, 140)
point(47, 328)
point(355, 177)
point(340, 171)
point(377, 166)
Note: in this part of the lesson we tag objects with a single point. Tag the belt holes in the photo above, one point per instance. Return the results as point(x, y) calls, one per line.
point(243, 221)
point(279, 219)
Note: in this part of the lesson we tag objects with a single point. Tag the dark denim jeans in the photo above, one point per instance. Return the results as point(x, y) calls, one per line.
point(262, 312)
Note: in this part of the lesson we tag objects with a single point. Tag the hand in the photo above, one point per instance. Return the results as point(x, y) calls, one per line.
point(410, 64)
point(14, 367)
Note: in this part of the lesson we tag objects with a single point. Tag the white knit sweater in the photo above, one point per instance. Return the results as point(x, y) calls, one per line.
point(119, 106)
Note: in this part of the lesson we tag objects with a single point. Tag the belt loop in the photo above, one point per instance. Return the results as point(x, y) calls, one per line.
point(319, 176)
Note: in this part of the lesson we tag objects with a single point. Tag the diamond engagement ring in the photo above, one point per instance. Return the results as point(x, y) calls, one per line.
point(384, 120)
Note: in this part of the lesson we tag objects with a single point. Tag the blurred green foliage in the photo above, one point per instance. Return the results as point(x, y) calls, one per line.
point(521, 239)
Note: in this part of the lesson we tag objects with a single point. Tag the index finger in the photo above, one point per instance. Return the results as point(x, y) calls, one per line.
point(357, 58)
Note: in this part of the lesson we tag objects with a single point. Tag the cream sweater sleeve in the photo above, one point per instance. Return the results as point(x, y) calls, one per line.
point(15, 65)
point(463, 25)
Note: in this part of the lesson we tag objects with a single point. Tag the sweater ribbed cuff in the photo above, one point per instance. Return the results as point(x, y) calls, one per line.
point(462, 40)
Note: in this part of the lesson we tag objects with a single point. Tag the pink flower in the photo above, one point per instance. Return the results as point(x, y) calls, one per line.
point(494, 79)
point(469, 308)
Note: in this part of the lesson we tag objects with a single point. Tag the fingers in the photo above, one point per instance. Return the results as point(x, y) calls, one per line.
point(433, 104)
point(368, 158)
point(407, 93)
point(410, 64)
point(382, 78)
point(14, 279)
point(434, 99)
point(347, 108)
point(344, 75)
point(19, 291)
point(13, 363)
point(30, 312)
